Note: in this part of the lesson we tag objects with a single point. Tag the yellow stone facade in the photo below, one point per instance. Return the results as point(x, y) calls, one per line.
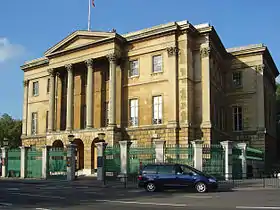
point(89, 72)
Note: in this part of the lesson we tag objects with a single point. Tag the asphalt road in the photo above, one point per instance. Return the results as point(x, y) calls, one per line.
point(64, 195)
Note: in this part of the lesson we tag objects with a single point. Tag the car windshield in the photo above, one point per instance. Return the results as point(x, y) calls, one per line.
point(188, 169)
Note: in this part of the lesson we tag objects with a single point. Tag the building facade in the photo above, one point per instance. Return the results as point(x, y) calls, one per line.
point(174, 81)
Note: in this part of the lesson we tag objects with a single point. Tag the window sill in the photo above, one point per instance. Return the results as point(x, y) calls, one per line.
point(157, 73)
point(134, 77)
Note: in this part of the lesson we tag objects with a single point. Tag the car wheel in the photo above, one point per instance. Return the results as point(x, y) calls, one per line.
point(150, 187)
point(201, 187)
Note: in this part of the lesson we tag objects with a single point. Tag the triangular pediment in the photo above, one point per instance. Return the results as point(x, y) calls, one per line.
point(78, 39)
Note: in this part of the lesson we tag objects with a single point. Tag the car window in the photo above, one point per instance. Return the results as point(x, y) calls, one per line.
point(150, 169)
point(186, 169)
point(165, 169)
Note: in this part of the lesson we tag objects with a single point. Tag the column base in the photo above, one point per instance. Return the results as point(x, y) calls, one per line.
point(206, 124)
point(89, 127)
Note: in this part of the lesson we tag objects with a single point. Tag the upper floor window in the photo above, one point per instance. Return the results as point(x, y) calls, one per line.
point(237, 118)
point(237, 79)
point(157, 63)
point(133, 105)
point(134, 68)
point(35, 88)
point(157, 110)
point(48, 85)
point(34, 122)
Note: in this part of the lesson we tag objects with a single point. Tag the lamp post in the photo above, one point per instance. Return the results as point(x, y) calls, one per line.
point(5, 142)
point(101, 137)
point(71, 138)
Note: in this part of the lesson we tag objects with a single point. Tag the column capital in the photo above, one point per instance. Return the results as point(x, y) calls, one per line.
point(260, 68)
point(69, 67)
point(25, 83)
point(51, 72)
point(112, 57)
point(89, 62)
point(172, 51)
point(205, 52)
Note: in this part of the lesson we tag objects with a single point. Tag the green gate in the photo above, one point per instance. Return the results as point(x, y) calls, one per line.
point(13, 162)
point(236, 163)
point(33, 163)
point(57, 167)
point(182, 154)
point(213, 157)
point(112, 161)
point(140, 156)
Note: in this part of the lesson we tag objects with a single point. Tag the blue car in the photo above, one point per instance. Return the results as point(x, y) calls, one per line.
point(155, 177)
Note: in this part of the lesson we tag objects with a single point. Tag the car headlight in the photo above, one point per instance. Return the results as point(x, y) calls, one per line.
point(212, 180)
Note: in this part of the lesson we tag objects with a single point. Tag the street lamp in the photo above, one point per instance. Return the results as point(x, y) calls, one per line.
point(71, 138)
point(6, 142)
point(101, 137)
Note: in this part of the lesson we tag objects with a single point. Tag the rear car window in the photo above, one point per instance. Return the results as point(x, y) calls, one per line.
point(150, 169)
point(165, 169)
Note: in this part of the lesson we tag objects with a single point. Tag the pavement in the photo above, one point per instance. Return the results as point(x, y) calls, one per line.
point(87, 194)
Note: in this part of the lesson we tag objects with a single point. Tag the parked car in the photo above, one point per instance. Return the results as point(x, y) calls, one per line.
point(155, 177)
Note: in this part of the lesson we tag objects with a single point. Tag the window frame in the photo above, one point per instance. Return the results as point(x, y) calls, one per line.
point(157, 121)
point(153, 63)
point(239, 77)
point(34, 93)
point(136, 112)
point(34, 123)
point(236, 118)
point(130, 68)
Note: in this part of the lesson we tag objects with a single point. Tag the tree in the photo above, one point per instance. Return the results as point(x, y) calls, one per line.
point(11, 129)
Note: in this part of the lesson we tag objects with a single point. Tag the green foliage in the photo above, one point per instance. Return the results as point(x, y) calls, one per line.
point(11, 129)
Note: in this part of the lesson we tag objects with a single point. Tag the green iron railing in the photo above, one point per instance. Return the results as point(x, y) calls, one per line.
point(34, 163)
point(254, 154)
point(13, 163)
point(182, 154)
point(140, 156)
point(213, 157)
point(57, 163)
point(112, 159)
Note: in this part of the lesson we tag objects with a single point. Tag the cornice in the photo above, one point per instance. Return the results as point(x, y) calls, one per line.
point(34, 63)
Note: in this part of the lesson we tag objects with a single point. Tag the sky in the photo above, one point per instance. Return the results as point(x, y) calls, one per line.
point(29, 28)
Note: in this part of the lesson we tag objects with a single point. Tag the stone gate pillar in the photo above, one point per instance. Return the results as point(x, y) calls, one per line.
point(4, 161)
point(227, 146)
point(101, 146)
point(23, 161)
point(242, 147)
point(160, 150)
point(71, 163)
point(197, 158)
point(45, 161)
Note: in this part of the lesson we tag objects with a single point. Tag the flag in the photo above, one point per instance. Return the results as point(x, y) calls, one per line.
point(92, 2)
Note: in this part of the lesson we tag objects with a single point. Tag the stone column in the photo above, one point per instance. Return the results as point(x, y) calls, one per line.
point(25, 108)
point(227, 146)
point(71, 163)
point(89, 93)
point(51, 100)
point(101, 160)
point(205, 82)
point(242, 147)
point(124, 150)
point(4, 159)
point(69, 109)
point(45, 161)
point(160, 150)
point(172, 69)
point(197, 148)
point(23, 160)
point(112, 89)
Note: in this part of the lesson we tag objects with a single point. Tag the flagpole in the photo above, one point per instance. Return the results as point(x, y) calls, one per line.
point(89, 14)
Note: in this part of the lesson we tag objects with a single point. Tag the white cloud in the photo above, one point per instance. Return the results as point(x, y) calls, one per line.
point(8, 50)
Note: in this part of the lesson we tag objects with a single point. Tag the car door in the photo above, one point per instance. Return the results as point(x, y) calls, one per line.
point(184, 176)
point(166, 175)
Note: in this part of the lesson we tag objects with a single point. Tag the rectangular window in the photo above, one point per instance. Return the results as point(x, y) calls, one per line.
point(35, 88)
point(134, 68)
point(48, 85)
point(157, 110)
point(34, 121)
point(237, 79)
point(157, 63)
point(237, 118)
point(133, 119)
point(47, 120)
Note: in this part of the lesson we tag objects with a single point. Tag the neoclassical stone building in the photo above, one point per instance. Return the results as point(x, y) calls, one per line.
point(174, 81)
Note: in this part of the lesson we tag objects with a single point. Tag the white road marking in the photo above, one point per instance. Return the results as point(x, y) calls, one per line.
point(13, 189)
point(42, 209)
point(258, 207)
point(41, 196)
point(143, 203)
point(198, 196)
point(6, 204)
